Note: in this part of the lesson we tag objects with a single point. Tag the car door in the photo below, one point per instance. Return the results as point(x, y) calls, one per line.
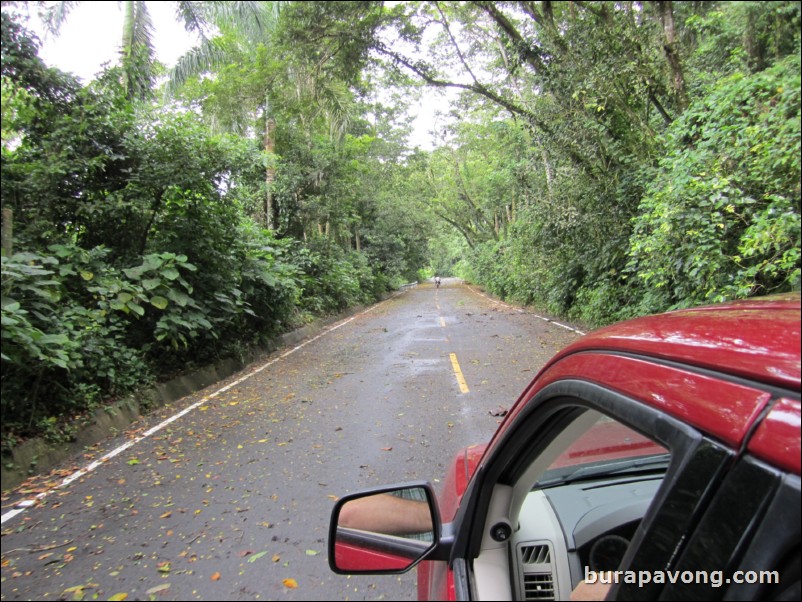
point(638, 520)
point(749, 538)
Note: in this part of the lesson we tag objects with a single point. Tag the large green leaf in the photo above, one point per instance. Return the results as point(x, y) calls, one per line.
point(159, 302)
point(151, 283)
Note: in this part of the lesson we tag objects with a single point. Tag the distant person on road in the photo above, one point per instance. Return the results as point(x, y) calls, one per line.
point(437, 281)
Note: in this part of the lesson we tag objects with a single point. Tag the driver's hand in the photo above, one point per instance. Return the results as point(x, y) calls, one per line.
point(590, 591)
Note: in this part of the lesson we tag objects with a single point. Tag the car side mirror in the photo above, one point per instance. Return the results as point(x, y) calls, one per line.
point(387, 530)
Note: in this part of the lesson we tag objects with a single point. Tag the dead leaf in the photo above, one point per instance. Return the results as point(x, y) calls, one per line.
point(387, 449)
point(167, 514)
point(216, 576)
point(77, 592)
point(290, 583)
point(157, 589)
point(118, 597)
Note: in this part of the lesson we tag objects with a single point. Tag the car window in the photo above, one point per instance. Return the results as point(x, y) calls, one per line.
point(582, 512)
point(607, 446)
point(584, 477)
point(584, 484)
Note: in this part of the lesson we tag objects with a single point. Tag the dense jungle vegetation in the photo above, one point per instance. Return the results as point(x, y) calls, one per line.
point(602, 160)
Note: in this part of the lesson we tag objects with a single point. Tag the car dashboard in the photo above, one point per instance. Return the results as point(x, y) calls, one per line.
point(564, 528)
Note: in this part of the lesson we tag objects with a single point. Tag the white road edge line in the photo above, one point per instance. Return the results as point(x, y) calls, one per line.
point(23, 505)
point(519, 310)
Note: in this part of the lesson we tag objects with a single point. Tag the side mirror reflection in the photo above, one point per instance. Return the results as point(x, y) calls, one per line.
point(388, 531)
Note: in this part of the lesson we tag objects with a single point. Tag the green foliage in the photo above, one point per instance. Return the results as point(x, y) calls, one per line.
point(270, 285)
point(332, 278)
point(28, 283)
point(70, 155)
point(64, 347)
point(604, 160)
point(652, 158)
point(140, 253)
point(740, 37)
point(721, 218)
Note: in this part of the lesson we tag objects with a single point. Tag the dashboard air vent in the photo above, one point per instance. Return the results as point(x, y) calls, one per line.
point(536, 571)
point(535, 554)
point(538, 587)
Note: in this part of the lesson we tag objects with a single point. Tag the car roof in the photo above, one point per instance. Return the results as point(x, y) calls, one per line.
point(758, 340)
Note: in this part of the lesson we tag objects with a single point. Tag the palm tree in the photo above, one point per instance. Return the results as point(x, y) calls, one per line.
point(137, 52)
point(251, 20)
point(253, 23)
point(328, 96)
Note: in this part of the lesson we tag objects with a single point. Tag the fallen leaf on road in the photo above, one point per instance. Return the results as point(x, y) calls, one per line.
point(216, 577)
point(256, 557)
point(290, 583)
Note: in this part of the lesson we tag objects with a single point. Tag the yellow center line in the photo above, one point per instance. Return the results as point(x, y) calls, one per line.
point(442, 321)
point(463, 386)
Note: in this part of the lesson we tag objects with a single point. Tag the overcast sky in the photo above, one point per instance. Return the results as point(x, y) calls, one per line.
point(92, 32)
point(90, 37)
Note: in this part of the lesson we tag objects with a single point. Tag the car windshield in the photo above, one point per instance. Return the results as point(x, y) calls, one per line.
point(607, 448)
point(655, 464)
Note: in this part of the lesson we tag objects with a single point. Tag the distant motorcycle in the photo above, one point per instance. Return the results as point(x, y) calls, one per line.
point(437, 281)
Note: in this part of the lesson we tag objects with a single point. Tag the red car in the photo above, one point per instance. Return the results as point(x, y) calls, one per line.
point(655, 459)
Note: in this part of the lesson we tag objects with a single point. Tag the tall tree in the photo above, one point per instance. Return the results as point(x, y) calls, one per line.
point(137, 52)
point(285, 73)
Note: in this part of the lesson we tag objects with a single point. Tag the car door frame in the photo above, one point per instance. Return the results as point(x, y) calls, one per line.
point(698, 464)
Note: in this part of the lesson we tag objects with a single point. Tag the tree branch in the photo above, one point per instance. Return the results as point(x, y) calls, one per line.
point(529, 54)
point(454, 43)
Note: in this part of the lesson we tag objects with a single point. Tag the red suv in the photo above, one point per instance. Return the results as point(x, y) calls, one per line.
point(655, 459)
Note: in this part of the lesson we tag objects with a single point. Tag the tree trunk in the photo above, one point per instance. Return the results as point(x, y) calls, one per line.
point(549, 175)
point(270, 176)
point(666, 11)
point(8, 232)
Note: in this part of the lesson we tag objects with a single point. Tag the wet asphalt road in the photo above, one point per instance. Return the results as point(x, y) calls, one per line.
point(232, 500)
